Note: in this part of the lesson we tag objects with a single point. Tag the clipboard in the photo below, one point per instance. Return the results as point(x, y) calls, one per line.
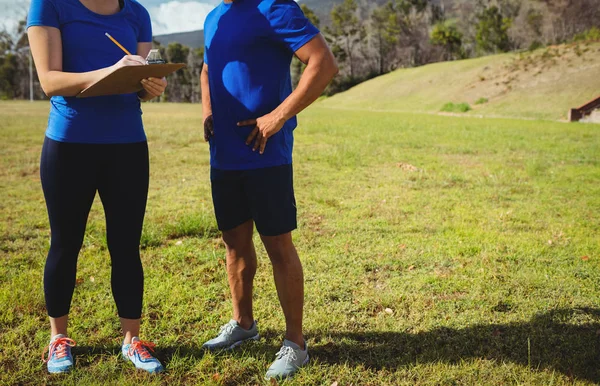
point(127, 80)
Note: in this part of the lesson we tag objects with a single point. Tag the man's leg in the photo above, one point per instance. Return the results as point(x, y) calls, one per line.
point(241, 268)
point(271, 192)
point(235, 221)
point(289, 281)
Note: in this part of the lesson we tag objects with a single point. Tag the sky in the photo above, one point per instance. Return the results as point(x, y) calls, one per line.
point(167, 16)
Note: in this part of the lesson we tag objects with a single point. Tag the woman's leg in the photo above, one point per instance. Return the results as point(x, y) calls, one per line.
point(123, 188)
point(68, 181)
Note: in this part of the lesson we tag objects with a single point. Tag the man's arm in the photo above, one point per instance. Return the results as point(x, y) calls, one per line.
point(206, 106)
point(320, 70)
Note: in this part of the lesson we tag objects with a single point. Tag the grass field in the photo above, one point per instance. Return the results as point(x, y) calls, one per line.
point(543, 84)
point(437, 251)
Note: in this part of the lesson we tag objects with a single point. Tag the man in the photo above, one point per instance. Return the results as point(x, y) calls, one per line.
point(249, 116)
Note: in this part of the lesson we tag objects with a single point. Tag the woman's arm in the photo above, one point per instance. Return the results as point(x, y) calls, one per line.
point(46, 48)
point(153, 87)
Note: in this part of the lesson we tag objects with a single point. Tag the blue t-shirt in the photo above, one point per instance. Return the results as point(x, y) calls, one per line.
point(105, 119)
point(249, 46)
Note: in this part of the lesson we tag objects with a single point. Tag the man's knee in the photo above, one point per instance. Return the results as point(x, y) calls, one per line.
point(239, 239)
point(280, 248)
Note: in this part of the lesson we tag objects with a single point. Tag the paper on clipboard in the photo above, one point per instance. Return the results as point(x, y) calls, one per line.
point(126, 80)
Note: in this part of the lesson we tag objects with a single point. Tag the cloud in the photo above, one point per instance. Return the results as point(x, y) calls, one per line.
point(176, 16)
point(11, 12)
point(167, 16)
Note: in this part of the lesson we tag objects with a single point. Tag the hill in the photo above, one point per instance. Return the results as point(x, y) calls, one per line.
point(542, 84)
point(193, 39)
point(322, 8)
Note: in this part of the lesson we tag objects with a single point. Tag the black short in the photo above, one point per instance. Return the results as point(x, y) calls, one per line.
point(263, 195)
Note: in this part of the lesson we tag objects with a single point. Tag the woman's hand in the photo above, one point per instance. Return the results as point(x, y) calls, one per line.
point(130, 60)
point(153, 87)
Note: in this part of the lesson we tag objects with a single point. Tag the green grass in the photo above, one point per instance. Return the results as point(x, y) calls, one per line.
point(479, 235)
point(543, 84)
point(455, 107)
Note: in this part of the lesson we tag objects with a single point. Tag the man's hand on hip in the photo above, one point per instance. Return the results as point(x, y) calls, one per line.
point(264, 128)
point(209, 127)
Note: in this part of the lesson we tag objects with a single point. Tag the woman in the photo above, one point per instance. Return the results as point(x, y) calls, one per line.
point(93, 144)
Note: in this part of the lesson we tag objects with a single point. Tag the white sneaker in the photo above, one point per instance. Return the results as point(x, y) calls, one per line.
point(288, 360)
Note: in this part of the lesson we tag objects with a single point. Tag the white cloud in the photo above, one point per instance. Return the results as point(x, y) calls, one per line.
point(167, 16)
point(11, 12)
point(176, 16)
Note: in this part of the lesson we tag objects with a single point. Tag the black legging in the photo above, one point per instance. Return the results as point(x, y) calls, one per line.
point(71, 174)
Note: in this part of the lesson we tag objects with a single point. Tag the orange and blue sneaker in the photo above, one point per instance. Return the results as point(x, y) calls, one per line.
point(60, 359)
point(137, 352)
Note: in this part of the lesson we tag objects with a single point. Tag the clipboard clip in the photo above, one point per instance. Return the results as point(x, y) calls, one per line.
point(154, 57)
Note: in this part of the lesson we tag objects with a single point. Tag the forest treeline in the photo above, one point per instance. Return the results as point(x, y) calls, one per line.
point(371, 38)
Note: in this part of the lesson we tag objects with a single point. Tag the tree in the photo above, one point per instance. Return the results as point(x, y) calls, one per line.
point(492, 30)
point(9, 69)
point(346, 33)
point(195, 61)
point(535, 20)
point(385, 30)
point(310, 15)
point(447, 35)
point(407, 6)
point(180, 82)
point(14, 62)
point(414, 18)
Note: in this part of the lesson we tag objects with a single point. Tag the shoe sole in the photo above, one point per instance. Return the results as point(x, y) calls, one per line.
point(155, 371)
point(236, 344)
point(59, 370)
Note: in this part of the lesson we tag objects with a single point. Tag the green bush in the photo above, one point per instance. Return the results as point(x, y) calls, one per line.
point(593, 34)
point(456, 107)
point(481, 101)
point(535, 45)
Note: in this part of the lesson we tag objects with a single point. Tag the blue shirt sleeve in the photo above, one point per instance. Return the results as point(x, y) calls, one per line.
point(206, 21)
point(43, 13)
point(145, 33)
point(289, 24)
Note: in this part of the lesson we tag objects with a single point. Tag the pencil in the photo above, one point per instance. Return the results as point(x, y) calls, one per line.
point(117, 43)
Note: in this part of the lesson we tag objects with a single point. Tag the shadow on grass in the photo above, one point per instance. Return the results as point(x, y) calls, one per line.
point(565, 340)
point(252, 348)
point(85, 355)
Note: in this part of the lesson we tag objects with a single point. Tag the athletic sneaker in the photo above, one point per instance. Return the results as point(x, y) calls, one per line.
point(288, 360)
point(59, 358)
point(137, 352)
point(232, 335)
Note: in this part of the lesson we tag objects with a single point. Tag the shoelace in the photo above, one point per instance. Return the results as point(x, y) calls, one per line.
point(58, 347)
point(141, 347)
point(288, 353)
point(226, 329)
